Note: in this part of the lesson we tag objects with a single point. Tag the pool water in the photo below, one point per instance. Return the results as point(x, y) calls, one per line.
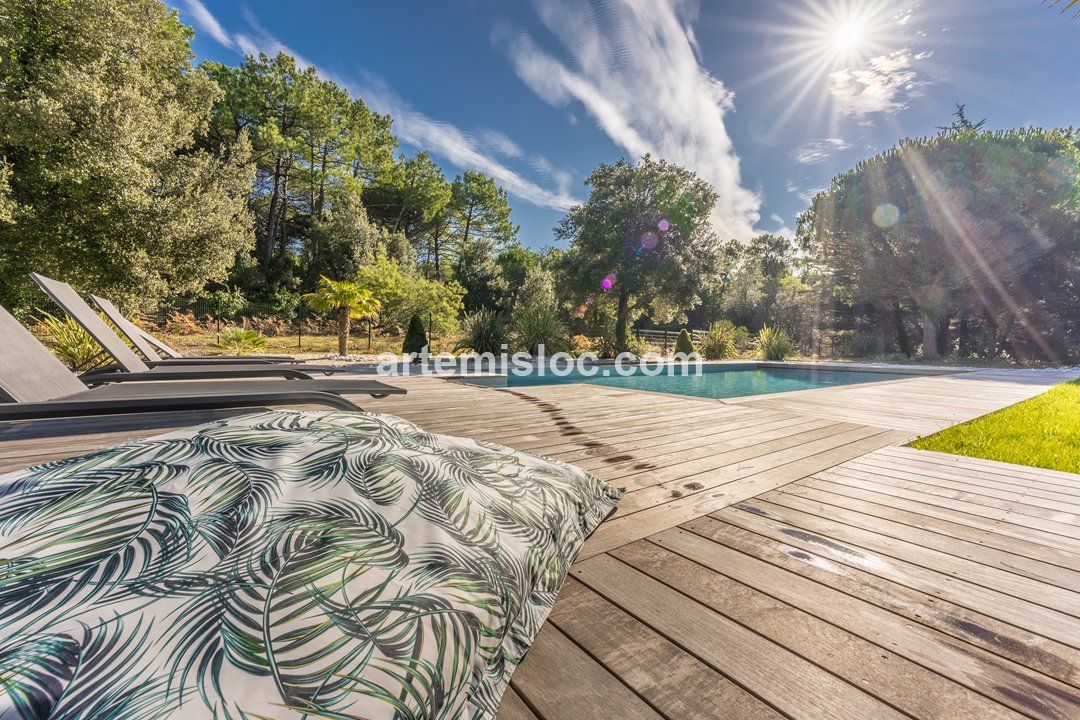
point(715, 381)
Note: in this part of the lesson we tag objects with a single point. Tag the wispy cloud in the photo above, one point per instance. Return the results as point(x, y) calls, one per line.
point(818, 150)
point(463, 149)
point(476, 150)
point(805, 195)
point(884, 85)
point(633, 67)
point(205, 21)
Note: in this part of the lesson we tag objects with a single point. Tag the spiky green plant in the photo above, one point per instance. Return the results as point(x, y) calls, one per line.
point(485, 332)
point(539, 325)
point(719, 342)
point(241, 340)
point(69, 342)
point(774, 343)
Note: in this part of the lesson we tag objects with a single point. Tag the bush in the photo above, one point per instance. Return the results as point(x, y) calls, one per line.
point(73, 345)
point(179, 323)
point(415, 337)
point(639, 346)
point(580, 344)
point(684, 343)
point(241, 340)
point(538, 325)
point(485, 332)
point(774, 344)
point(270, 326)
point(719, 342)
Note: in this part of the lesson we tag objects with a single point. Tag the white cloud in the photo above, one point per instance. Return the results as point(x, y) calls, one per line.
point(782, 228)
point(818, 150)
point(474, 151)
point(883, 85)
point(463, 149)
point(209, 24)
point(633, 67)
point(805, 195)
point(499, 142)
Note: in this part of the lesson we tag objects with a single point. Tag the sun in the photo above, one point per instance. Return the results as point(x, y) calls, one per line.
point(848, 37)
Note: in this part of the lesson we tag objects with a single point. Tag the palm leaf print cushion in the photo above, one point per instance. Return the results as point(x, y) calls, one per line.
point(282, 565)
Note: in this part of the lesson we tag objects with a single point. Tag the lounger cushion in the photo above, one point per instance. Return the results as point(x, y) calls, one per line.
point(281, 564)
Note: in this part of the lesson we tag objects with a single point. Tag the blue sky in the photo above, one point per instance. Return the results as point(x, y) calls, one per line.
point(767, 100)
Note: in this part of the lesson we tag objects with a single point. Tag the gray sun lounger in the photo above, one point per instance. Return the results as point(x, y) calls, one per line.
point(38, 386)
point(136, 369)
point(152, 349)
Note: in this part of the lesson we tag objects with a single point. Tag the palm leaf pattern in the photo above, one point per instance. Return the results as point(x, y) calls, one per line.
point(282, 564)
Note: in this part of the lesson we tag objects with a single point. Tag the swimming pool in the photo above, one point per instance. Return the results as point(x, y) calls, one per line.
point(715, 381)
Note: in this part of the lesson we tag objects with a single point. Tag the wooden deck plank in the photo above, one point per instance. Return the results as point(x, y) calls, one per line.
point(554, 661)
point(786, 681)
point(965, 602)
point(686, 689)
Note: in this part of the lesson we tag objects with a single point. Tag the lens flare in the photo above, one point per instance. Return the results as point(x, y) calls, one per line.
point(608, 282)
point(886, 215)
point(663, 226)
point(649, 239)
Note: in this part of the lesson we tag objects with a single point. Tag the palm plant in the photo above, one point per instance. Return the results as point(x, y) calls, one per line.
point(774, 343)
point(1069, 4)
point(485, 332)
point(241, 340)
point(348, 301)
point(69, 342)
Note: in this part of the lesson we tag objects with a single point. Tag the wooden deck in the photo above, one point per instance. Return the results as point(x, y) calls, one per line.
point(776, 556)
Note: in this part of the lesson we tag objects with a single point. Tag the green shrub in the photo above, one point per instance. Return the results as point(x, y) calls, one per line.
point(241, 340)
point(538, 325)
point(719, 342)
point(73, 345)
point(638, 345)
point(485, 332)
point(774, 344)
point(415, 337)
point(684, 343)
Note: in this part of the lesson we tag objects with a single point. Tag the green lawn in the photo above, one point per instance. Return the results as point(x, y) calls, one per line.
point(1041, 432)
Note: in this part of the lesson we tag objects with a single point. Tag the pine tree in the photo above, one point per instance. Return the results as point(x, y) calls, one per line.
point(415, 337)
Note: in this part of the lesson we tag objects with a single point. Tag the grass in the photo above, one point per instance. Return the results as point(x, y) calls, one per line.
point(1041, 432)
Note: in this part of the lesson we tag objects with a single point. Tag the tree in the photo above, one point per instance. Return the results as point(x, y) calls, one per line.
point(348, 301)
point(979, 229)
point(315, 149)
point(961, 123)
point(415, 338)
point(403, 292)
point(643, 236)
point(102, 182)
point(480, 209)
point(684, 343)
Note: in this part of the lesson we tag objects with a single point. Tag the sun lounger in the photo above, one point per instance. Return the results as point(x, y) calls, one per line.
point(37, 385)
point(153, 349)
point(135, 368)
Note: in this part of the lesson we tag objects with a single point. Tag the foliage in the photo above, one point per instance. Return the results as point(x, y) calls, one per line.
point(402, 293)
point(1041, 432)
point(962, 238)
point(315, 149)
point(227, 303)
point(416, 337)
point(484, 331)
point(536, 325)
point(182, 323)
point(71, 343)
point(774, 344)
point(241, 340)
point(346, 300)
point(720, 342)
point(684, 343)
point(639, 346)
point(106, 181)
point(643, 235)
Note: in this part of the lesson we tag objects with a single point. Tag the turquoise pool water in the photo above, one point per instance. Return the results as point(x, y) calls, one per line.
point(714, 382)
